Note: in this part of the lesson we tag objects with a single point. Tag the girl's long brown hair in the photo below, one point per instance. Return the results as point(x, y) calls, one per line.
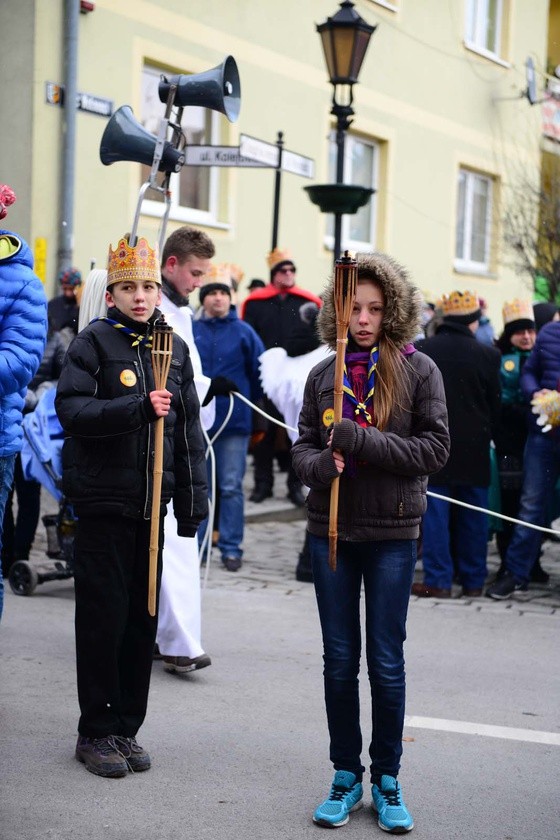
point(392, 386)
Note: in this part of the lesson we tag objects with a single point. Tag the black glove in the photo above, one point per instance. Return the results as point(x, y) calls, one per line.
point(345, 436)
point(308, 313)
point(186, 530)
point(220, 386)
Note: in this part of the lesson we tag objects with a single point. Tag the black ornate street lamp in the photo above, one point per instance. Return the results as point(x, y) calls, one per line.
point(345, 38)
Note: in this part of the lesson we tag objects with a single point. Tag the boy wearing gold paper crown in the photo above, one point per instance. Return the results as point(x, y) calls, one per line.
point(107, 404)
point(471, 376)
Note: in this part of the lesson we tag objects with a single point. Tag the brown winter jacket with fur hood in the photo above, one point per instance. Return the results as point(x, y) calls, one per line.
point(386, 498)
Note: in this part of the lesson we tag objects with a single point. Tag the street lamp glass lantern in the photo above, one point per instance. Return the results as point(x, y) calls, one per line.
point(345, 38)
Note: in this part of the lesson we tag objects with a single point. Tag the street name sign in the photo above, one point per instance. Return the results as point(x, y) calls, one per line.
point(269, 155)
point(298, 164)
point(54, 95)
point(219, 156)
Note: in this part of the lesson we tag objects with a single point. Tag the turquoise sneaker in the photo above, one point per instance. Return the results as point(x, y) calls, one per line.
point(345, 796)
point(388, 804)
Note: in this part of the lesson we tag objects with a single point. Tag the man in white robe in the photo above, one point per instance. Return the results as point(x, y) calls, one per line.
point(184, 263)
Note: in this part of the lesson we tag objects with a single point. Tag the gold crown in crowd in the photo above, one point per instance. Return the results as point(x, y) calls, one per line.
point(459, 303)
point(227, 273)
point(133, 263)
point(278, 256)
point(517, 310)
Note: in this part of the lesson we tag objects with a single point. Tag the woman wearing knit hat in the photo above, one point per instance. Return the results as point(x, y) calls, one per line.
point(393, 433)
point(515, 345)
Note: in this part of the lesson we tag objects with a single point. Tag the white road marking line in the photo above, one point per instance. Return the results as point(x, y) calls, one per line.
point(465, 728)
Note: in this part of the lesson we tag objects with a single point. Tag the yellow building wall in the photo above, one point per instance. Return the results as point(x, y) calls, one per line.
point(432, 103)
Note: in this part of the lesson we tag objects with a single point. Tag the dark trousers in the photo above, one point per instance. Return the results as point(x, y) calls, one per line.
point(386, 570)
point(541, 470)
point(455, 541)
point(115, 634)
point(19, 533)
point(264, 452)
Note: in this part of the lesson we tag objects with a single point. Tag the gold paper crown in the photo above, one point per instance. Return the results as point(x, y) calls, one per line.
point(517, 310)
point(227, 273)
point(459, 303)
point(138, 263)
point(277, 256)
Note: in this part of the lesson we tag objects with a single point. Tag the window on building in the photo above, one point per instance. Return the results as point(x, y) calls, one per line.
point(484, 22)
point(361, 161)
point(194, 190)
point(474, 222)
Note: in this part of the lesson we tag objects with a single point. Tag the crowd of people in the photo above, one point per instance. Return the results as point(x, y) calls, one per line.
point(489, 388)
point(446, 409)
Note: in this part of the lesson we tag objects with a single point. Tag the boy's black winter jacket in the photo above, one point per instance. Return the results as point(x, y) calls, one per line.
point(104, 407)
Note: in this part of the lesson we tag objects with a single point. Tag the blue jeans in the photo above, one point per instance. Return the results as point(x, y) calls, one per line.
point(541, 468)
point(452, 533)
point(231, 462)
point(6, 479)
point(386, 570)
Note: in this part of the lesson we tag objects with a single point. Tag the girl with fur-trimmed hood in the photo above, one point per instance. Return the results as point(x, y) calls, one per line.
point(392, 435)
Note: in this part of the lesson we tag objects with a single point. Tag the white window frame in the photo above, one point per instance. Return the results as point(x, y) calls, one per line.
point(476, 28)
point(178, 212)
point(465, 263)
point(356, 244)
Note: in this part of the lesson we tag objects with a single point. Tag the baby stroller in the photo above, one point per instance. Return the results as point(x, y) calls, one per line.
point(41, 458)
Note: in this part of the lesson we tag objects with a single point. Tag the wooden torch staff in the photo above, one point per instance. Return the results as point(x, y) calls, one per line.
point(162, 346)
point(345, 278)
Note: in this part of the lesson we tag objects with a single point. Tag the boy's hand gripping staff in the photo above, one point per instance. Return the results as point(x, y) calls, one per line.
point(345, 279)
point(162, 345)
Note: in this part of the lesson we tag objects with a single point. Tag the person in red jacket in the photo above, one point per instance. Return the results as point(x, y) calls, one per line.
point(274, 314)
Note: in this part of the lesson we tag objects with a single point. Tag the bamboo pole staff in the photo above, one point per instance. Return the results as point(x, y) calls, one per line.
point(345, 278)
point(162, 345)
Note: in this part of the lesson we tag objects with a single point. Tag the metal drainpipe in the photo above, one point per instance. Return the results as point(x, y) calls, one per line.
point(66, 234)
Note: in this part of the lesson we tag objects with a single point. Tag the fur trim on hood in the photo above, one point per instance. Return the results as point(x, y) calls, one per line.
point(403, 301)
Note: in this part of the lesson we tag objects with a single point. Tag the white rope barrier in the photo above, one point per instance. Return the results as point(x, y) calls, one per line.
point(205, 547)
point(264, 414)
point(493, 513)
point(206, 544)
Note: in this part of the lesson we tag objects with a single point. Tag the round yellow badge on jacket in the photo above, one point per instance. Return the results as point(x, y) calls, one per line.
point(328, 416)
point(128, 378)
point(509, 365)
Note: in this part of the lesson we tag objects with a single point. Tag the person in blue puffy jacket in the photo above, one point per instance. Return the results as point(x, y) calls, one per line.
point(23, 334)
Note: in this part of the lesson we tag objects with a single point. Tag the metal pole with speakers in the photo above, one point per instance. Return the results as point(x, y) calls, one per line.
point(124, 138)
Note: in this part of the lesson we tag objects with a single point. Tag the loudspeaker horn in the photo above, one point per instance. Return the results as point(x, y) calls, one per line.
point(125, 139)
point(218, 89)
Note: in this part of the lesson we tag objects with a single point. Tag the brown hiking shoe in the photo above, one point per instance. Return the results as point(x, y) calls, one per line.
point(135, 756)
point(101, 756)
